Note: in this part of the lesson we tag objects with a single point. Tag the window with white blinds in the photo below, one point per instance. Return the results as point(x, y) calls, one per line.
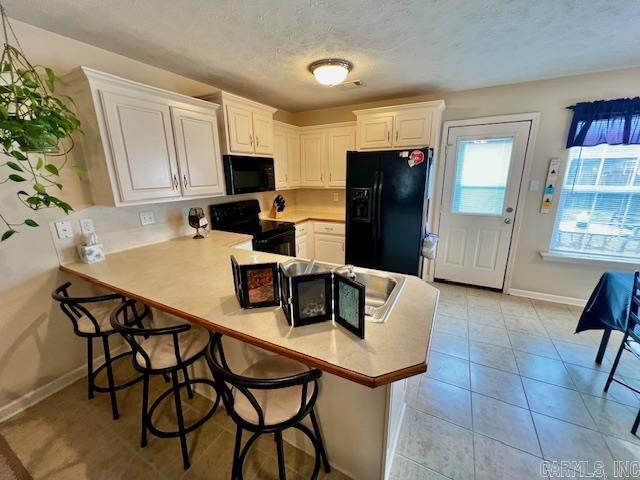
point(599, 208)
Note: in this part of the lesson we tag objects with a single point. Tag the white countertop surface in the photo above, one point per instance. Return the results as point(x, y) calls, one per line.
point(192, 279)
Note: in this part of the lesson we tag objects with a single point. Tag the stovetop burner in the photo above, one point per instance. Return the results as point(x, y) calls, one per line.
point(242, 217)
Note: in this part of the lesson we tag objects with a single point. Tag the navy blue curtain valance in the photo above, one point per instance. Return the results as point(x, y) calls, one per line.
point(615, 122)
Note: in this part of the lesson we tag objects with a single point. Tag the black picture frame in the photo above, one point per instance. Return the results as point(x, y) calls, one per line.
point(242, 279)
point(285, 294)
point(235, 269)
point(297, 283)
point(339, 317)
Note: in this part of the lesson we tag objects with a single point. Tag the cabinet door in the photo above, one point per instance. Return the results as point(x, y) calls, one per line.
point(412, 129)
point(302, 244)
point(240, 129)
point(340, 140)
point(293, 159)
point(375, 131)
point(312, 159)
point(197, 144)
point(280, 156)
point(263, 133)
point(329, 248)
point(142, 145)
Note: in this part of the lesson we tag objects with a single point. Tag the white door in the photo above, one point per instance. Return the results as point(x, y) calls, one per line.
point(483, 171)
point(301, 247)
point(292, 177)
point(198, 148)
point(312, 153)
point(412, 129)
point(263, 133)
point(375, 132)
point(141, 139)
point(280, 156)
point(340, 141)
point(329, 248)
point(240, 129)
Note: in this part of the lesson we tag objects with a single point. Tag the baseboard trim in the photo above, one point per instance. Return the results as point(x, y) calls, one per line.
point(578, 302)
point(35, 396)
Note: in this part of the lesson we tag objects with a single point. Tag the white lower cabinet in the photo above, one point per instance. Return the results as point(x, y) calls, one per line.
point(322, 241)
point(304, 234)
point(302, 246)
point(329, 248)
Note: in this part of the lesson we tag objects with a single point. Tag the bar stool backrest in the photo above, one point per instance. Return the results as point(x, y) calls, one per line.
point(135, 327)
point(226, 381)
point(74, 307)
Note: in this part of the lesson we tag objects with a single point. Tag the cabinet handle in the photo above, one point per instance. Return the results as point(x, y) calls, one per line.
point(285, 178)
point(184, 179)
point(257, 141)
point(175, 181)
point(396, 135)
point(343, 246)
point(322, 177)
point(388, 136)
point(329, 176)
point(251, 139)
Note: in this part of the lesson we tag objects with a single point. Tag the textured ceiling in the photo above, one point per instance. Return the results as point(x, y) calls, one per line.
point(261, 48)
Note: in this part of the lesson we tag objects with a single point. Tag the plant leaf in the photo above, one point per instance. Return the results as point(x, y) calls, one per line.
point(14, 166)
point(79, 171)
point(31, 223)
point(38, 187)
point(51, 79)
point(7, 234)
point(51, 168)
point(39, 163)
point(18, 155)
point(16, 178)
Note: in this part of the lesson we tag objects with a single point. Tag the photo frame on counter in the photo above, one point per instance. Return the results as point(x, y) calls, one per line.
point(285, 294)
point(311, 298)
point(257, 284)
point(349, 304)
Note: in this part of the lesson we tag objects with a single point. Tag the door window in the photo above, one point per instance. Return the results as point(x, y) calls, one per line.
point(482, 170)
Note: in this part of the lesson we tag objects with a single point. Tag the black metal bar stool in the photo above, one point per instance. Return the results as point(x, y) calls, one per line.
point(164, 351)
point(630, 342)
point(270, 396)
point(91, 321)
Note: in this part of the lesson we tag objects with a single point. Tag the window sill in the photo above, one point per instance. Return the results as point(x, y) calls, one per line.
point(576, 258)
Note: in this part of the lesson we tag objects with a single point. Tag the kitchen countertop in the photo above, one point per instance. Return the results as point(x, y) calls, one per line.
point(300, 215)
point(192, 279)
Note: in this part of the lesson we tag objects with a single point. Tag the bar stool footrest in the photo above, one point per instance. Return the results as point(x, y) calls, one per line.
point(120, 386)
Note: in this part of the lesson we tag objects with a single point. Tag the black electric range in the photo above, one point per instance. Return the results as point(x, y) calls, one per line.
point(272, 236)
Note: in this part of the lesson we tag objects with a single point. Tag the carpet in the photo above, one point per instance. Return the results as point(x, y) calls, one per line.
point(11, 467)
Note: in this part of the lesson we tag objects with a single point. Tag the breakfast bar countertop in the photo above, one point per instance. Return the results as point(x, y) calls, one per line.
point(192, 279)
point(303, 215)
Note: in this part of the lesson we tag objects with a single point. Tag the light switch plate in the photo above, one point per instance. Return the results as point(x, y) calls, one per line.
point(147, 218)
point(86, 226)
point(64, 230)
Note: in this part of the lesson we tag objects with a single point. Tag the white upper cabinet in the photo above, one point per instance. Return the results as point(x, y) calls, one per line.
point(240, 127)
point(263, 132)
point(312, 159)
point(375, 131)
point(399, 126)
point(340, 141)
point(293, 159)
point(142, 144)
point(197, 145)
point(246, 127)
point(280, 156)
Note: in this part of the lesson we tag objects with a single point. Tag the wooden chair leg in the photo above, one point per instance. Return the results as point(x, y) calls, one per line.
point(615, 362)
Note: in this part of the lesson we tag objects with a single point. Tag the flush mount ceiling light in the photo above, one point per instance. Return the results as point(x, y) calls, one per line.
point(330, 71)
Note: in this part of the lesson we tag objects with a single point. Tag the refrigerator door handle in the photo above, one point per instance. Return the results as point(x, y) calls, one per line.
point(379, 207)
point(374, 213)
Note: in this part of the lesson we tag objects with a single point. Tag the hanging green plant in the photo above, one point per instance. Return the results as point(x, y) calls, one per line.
point(35, 132)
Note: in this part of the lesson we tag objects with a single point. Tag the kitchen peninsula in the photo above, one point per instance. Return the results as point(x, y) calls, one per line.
point(362, 400)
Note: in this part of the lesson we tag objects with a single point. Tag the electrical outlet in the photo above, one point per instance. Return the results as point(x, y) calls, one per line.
point(64, 230)
point(147, 218)
point(336, 197)
point(86, 226)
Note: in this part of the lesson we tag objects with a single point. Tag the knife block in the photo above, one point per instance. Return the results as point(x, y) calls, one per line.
point(274, 213)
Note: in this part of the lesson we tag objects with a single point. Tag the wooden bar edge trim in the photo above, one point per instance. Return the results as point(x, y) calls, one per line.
point(367, 381)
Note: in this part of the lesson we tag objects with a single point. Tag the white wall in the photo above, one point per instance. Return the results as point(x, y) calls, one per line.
point(550, 97)
point(37, 344)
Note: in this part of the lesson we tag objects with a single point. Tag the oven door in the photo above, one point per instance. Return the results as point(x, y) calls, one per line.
point(248, 174)
point(282, 244)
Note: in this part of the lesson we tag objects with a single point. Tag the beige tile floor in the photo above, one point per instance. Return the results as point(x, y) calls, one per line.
point(508, 386)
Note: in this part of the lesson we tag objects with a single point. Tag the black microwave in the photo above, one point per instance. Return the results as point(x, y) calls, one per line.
point(248, 174)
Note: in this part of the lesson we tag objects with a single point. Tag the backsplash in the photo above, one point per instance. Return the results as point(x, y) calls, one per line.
point(329, 200)
point(120, 229)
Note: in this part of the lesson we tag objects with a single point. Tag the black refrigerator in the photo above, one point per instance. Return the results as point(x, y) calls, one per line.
point(387, 201)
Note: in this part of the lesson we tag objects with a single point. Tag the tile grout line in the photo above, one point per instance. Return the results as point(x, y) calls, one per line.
point(473, 437)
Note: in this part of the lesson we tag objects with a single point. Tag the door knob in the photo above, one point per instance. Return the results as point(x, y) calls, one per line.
point(507, 220)
point(509, 209)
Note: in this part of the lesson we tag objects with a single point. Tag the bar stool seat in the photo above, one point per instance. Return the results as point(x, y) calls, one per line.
point(102, 315)
point(162, 352)
point(278, 405)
